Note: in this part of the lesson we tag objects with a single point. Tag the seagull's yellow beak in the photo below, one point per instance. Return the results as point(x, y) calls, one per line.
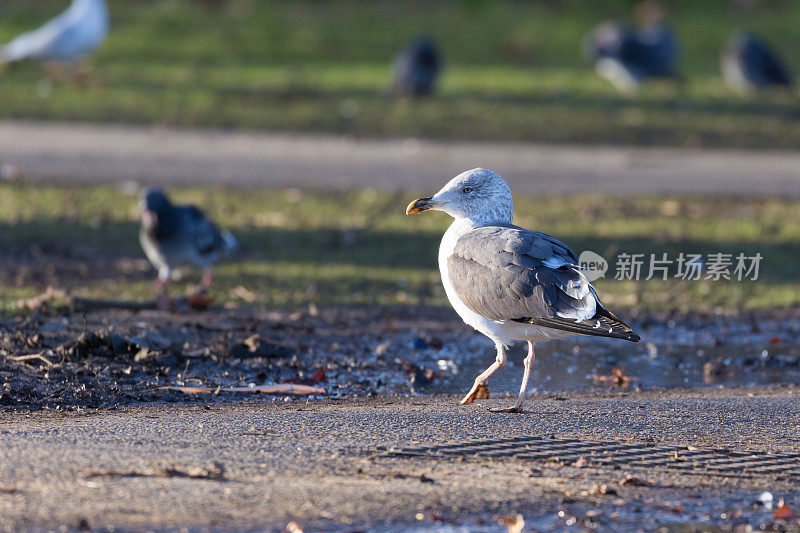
point(423, 204)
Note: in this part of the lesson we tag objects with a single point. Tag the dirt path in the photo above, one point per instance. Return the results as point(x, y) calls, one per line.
point(262, 463)
point(107, 153)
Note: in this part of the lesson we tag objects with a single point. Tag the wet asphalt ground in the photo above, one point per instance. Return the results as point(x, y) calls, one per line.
point(259, 464)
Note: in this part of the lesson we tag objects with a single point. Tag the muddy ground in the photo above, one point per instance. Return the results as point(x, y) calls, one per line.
point(55, 358)
point(90, 441)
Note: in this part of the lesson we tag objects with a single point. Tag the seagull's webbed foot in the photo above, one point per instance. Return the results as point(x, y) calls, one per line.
point(478, 390)
point(468, 399)
point(479, 386)
point(517, 408)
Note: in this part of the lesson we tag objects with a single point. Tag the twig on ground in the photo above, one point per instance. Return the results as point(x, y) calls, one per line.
point(275, 388)
point(30, 357)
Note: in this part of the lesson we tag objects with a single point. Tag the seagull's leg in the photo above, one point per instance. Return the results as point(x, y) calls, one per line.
point(483, 376)
point(528, 363)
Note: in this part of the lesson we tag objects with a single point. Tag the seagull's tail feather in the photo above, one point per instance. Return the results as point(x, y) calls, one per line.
point(602, 324)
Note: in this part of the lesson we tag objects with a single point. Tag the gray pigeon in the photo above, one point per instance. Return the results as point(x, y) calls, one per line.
point(174, 236)
point(70, 36)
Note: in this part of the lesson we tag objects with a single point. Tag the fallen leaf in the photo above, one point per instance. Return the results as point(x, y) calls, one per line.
point(275, 388)
point(435, 343)
point(784, 512)
point(513, 523)
point(579, 463)
point(483, 392)
point(243, 294)
point(417, 376)
point(634, 482)
point(315, 378)
point(603, 489)
point(293, 527)
point(618, 378)
point(200, 301)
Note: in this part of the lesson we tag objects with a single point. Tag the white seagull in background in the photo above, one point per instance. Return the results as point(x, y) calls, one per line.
point(509, 283)
point(69, 37)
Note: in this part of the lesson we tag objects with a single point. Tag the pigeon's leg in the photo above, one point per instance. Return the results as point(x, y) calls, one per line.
point(528, 363)
point(484, 376)
point(53, 72)
point(164, 275)
point(160, 283)
point(206, 281)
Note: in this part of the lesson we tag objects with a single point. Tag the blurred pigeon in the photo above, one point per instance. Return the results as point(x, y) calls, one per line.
point(69, 37)
point(748, 65)
point(174, 236)
point(626, 56)
point(417, 67)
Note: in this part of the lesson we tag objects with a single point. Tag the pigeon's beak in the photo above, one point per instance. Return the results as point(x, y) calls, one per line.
point(423, 204)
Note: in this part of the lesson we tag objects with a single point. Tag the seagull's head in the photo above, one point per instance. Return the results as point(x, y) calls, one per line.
point(479, 195)
point(154, 203)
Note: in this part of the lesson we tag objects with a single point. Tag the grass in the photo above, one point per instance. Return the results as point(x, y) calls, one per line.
point(513, 71)
point(355, 248)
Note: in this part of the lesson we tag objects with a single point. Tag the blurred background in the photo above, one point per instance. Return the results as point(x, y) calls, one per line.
point(305, 128)
point(620, 74)
point(510, 70)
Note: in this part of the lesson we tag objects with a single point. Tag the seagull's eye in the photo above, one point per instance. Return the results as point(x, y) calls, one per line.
point(467, 190)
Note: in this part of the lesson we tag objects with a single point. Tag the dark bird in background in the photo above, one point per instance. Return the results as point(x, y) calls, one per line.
point(176, 236)
point(417, 68)
point(626, 56)
point(749, 65)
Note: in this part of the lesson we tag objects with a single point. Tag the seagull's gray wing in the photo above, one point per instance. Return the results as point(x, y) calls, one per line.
point(510, 273)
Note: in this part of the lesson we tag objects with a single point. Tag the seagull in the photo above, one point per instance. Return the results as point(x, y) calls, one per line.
point(417, 67)
point(507, 282)
point(626, 56)
point(748, 65)
point(69, 37)
point(174, 236)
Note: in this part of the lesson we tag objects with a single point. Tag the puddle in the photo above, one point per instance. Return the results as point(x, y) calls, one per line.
point(697, 359)
point(737, 511)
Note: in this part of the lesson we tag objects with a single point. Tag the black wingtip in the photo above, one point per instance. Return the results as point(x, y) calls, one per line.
point(633, 337)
